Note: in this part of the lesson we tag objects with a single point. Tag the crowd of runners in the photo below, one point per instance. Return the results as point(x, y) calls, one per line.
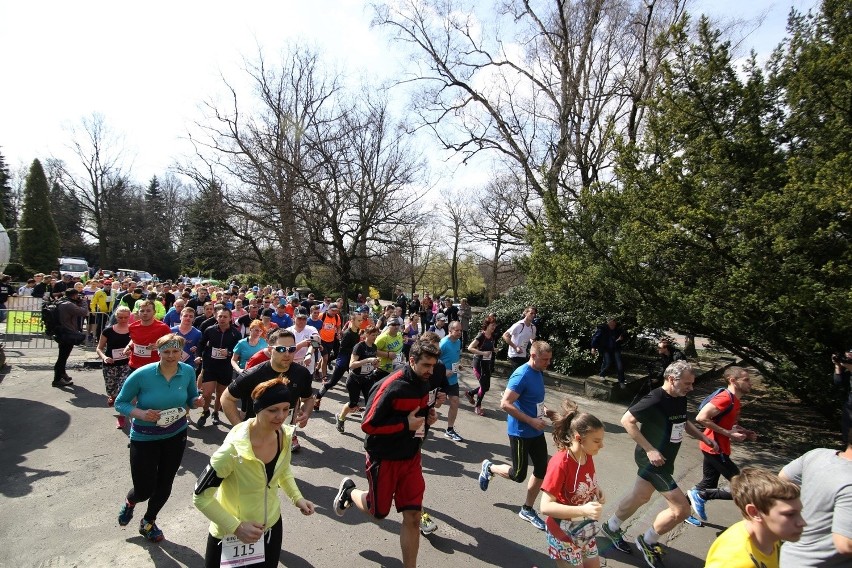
point(254, 355)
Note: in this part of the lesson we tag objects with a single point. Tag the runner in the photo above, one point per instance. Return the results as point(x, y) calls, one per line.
point(217, 348)
point(662, 415)
point(389, 348)
point(396, 423)
point(451, 358)
point(191, 336)
point(144, 333)
point(523, 401)
point(110, 349)
point(248, 346)
point(351, 337)
point(519, 336)
point(482, 348)
point(362, 374)
point(570, 494)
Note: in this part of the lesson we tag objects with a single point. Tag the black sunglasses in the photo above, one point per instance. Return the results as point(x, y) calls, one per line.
point(285, 348)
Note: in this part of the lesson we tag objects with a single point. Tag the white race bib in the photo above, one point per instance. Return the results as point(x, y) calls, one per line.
point(237, 553)
point(118, 354)
point(184, 355)
point(456, 366)
point(539, 410)
point(398, 360)
point(486, 356)
point(677, 433)
point(141, 350)
point(366, 368)
point(217, 353)
point(170, 415)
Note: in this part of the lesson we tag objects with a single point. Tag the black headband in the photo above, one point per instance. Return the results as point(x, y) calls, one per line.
point(273, 395)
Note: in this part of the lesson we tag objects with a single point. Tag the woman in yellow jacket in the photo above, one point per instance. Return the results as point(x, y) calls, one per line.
point(238, 490)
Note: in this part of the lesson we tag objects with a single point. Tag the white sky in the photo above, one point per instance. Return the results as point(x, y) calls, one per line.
point(147, 65)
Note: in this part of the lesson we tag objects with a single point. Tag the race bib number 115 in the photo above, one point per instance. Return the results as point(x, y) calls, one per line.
point(237, 553)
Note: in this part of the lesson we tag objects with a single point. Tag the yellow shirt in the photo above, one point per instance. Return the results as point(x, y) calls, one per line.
point(735, 549)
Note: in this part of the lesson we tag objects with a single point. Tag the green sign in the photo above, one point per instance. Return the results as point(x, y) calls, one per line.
point(23, 323)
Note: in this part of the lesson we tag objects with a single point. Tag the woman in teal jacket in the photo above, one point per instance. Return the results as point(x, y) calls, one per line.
point(238, 490)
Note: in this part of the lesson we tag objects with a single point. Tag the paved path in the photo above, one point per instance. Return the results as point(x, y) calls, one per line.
point(64, 473)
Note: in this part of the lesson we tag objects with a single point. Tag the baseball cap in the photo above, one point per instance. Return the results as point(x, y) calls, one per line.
point(256, 289)
point(394, 321)
point(440, 317)
point(301, 313)
point(363, 310)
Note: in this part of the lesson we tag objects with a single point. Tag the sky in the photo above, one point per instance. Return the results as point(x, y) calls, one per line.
point(146, 66)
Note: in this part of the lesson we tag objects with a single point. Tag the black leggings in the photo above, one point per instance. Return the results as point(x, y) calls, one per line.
point(358, 386)
point(716, 465)
point(482, 370)
point(213, 554)
point(341, 366)
point(65, 350)
point(153, 465)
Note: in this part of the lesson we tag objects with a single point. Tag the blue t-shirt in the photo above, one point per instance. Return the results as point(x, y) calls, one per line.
point(315, 323)
point(529, 384)
point(245, 350)
point(152, 391)
point(283, 321)
point(172, 317)
point(450, 355)
point(190, 340)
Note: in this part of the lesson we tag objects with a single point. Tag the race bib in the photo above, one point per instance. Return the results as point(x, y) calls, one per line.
point(118, 354)
point(420, 432)
point(184, 355)
point(237, 553)
point(141, 350)
point(170, 416)
point(366, 369)
point(433, 398)
point(677, 433)
point(486, 356)
point(217, 353)
point(398, 360)
point(456, 366)
point(539, 410)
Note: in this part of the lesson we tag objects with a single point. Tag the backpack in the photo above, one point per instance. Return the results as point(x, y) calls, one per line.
point(50, 318)
point(710, 397)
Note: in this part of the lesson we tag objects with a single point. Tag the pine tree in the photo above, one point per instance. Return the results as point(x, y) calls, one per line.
point(6, 212)
point(39, 238)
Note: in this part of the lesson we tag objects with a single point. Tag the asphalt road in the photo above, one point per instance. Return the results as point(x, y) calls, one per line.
point(64, 474)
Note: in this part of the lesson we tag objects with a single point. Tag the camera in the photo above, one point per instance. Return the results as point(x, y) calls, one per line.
point(840, 359)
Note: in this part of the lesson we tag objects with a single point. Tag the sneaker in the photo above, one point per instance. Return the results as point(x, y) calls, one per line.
point(470, 398)
point(652, 553)
point(617, 538)
point(63, 382)
point(693, 521)
point(126, 514)
point(317, 403)
point(485, 474)
point(216, 418)
point(150, 531)
point(697, 503)
point(294, 445)
point(343, 499)
point(427, 525)
point(530, 516)
point(202, 420)
point(341, 424)
point(453, 435)
point(478, 411)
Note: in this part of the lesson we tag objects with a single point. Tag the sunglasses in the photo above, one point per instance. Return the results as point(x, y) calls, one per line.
point(285, 348)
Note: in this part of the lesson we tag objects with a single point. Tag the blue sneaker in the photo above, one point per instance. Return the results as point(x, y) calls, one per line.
point(125, 514)
point(697, 503)
point(150, 531)
point(530, 516)
point(690, 520)
point(485, 474)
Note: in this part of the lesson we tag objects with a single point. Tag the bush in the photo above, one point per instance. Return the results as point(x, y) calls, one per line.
point(247, 279)
point(19, 272)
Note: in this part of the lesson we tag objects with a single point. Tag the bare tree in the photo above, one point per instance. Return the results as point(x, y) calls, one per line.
point(456, 221)
point(100, 182)
point(549, 86)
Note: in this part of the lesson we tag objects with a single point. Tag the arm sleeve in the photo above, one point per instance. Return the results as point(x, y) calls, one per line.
point(206, 501)
point(129, 391)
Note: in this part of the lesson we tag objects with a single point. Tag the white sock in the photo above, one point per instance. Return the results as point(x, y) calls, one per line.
point(614, 523)
point(651, 536)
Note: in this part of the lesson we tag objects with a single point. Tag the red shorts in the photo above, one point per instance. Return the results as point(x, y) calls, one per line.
point(400, 481)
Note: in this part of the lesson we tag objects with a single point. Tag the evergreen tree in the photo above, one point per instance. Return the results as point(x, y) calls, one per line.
point(68, 217)
point(6, 212)
point(39, 238)
point(206, 246)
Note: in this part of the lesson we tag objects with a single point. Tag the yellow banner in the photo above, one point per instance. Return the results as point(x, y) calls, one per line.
point(23, 323)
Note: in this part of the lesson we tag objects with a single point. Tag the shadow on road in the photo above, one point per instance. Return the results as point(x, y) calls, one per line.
point(168, 554)
point(43, 423)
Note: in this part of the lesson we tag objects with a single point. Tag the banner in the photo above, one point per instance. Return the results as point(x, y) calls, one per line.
point(23, 323)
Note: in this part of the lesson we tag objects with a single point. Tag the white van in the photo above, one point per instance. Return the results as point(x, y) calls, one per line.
point(73, 266)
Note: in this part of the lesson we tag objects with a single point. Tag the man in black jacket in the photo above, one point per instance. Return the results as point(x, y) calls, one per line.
point(397, 419)
point(70, 310)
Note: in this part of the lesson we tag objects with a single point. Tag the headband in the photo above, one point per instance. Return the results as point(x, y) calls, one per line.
point(273, 395)
point(171, 344)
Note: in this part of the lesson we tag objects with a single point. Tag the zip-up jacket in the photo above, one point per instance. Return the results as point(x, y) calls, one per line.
point(244, 494)
point(386, 420)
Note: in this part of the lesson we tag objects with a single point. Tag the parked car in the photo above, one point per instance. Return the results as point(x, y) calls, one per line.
point(76, 267)
point(135, 275)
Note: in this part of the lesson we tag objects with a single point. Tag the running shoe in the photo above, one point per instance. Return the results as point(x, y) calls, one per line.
point(202, 420)
point(470, 398)
point(693, 521)
point(343, 499)
point(485, 474)
point(427, 525)
point(531, 517)
point(617, 538)
point(453, 435)
point(341, 424)
point(125, 515)
point(63, 382)
point(150, 531)
point(294, 445)
point(652, 553)
point(478, 410)
point(697, 503)
point(317, 403)
point(216, 418)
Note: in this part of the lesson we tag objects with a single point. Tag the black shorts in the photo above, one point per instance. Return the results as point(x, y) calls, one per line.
point(220, 376)
point(451, 390)
point(662, 478)
point(358, 386)
point(525, 450)
point(328, 347)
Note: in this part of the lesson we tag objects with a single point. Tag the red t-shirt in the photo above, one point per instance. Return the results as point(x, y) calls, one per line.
point(261, 356)
point(722, 401)
point(142, 336)
point(569, 483)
